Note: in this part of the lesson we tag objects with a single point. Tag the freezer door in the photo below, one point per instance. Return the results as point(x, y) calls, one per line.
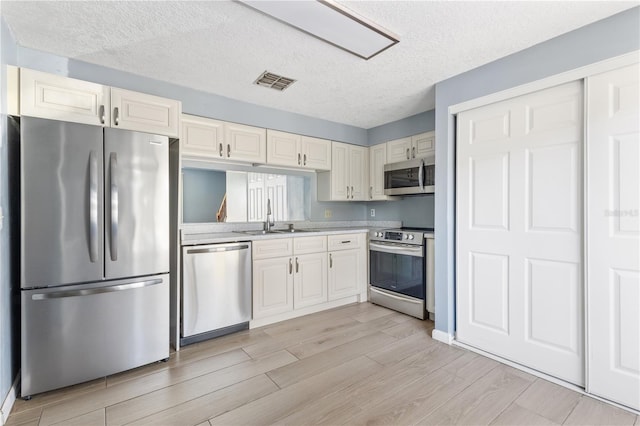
point(72, 334)
point(61, 201)
point(137, 203)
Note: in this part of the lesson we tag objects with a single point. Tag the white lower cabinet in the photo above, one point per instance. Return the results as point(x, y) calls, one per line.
point(296, 276)
point(310, 280)
point(347, 265)
point(344, 273)
point(272, 286)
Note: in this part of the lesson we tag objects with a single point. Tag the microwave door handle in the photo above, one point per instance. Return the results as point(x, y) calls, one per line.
point(421, 175)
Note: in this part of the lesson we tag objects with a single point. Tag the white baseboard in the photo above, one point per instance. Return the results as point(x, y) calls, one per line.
point(442, 336)
point(8, 402)
point(305, 311)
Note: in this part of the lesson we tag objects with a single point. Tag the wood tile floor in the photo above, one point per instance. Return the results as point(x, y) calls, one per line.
point(360, 364)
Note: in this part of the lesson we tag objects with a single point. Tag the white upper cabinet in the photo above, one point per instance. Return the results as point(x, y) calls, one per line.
point(283, 149)
point(61, 98)
point(144, 113)
point(245, 143)
point(399, 150)
point(423, 145)
point(202, 135)
point(222, 140)
point(291, 150)
point(359, 172)
point(418, 146)
point(67, 99)
point(377, 160)
point(348, 179)
point(316, 153)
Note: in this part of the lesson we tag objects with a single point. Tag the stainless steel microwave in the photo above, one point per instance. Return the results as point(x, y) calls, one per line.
point(410, 177)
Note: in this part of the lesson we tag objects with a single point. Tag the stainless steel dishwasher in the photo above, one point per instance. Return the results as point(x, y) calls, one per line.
point(216, 290)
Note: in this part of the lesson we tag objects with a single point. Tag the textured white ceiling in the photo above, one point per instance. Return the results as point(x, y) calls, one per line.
point(221, 47)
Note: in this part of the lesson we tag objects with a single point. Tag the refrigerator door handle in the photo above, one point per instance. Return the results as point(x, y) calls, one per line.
point(93, 207)
point(91, 291)
point(113, 164)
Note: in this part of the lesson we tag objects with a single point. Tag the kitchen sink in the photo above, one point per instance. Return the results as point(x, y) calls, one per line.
point(274, 231)
point(290, 231)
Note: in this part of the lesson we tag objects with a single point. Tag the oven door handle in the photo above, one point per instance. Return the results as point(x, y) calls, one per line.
point(415, 251)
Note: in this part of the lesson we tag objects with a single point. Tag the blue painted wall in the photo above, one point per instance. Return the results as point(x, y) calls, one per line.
point(614, 36)
point(419, 123)
point(203, 191)
point(9, 325)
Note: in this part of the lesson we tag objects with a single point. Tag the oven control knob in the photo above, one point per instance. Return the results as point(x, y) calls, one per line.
point(378, 234)
point(406, 236)
point(411, 237)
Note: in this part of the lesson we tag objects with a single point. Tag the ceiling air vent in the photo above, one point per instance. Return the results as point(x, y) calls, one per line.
point(274, 81)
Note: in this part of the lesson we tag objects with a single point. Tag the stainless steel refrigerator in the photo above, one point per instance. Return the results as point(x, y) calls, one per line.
point(94, 252)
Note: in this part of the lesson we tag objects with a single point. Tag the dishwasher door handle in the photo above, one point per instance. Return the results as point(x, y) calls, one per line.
point(218, 249)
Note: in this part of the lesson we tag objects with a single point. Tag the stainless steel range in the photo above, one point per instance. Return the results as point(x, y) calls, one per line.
point(401, 266)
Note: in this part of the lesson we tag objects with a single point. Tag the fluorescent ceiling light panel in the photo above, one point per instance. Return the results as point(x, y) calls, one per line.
point(331, 22)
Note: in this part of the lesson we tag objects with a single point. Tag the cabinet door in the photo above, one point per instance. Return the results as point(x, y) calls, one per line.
point(283, 149)
point(399, 150)
point(346, 273)
point(316, 153)
point(613, 230)
point(245, 143)
point(377, 160)
point(310, 283)
point(272, 286)
point(60, 98)
point(358, 173)
point(201, 136)
point(144, 113)
point(423, 145)
point(339, 171)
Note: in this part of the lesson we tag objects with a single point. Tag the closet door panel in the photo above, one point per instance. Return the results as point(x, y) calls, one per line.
point(519, 235)
point(613, 235)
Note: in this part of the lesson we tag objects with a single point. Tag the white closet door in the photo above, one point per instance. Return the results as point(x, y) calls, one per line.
point(613, 230)
point(519, 227)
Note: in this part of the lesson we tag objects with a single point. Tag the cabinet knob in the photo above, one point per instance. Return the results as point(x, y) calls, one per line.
point(304, 163)
point(220, 149)
point(352, 192)
point(297, 265)
point(290, 266)
point(101, 114)
point(298, 159)
point(330, 261)
point(116, 119)
point(408, 156)
point(228, 150)
point(413, 152)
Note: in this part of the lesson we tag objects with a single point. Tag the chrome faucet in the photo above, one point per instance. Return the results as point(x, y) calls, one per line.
point(269, 222)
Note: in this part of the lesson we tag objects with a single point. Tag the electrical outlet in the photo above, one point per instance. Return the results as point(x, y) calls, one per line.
point(327, 213)
point(373, 212)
